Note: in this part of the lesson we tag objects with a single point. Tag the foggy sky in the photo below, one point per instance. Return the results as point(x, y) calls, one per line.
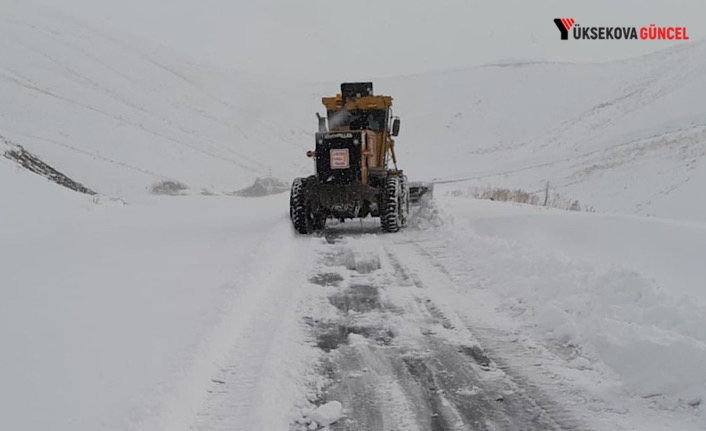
point(362, 39)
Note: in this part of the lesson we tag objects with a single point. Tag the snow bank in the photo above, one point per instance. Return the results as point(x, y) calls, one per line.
point(662, 250)
point(627, 292)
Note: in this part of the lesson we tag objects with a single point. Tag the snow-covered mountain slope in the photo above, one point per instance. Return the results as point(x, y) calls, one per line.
point(118, 115)
point(627, 136)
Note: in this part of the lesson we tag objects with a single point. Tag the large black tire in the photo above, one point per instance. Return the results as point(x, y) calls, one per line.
point(390, 214)
point(303, 219)
point(404, 202)
point(299, 208)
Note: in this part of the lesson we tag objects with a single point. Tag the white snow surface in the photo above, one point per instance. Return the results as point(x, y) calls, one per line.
point(327, 414)
point(120, 318)
point(120, 114)
point(126, 314)
point(622, 137)
point(628, 291)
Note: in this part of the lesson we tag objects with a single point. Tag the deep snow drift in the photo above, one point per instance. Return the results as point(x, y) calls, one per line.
point(591, 281)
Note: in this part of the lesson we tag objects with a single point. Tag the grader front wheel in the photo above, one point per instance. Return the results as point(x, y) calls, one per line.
point(392, 206)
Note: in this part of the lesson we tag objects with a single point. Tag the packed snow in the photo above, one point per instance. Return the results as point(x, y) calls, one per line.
point(178, 297)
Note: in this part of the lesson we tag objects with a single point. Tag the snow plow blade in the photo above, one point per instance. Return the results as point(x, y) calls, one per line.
point(419, 191)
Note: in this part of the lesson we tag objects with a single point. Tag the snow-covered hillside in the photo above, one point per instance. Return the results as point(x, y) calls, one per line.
point(118, 115)
point(122, 310)
point(628, 136)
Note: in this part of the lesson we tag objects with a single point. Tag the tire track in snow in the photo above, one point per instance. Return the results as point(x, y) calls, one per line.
point(500, 347)
point(248, 366)
point(431, 373)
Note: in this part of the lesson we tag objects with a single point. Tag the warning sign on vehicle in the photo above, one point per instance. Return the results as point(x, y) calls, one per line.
point(340, 158)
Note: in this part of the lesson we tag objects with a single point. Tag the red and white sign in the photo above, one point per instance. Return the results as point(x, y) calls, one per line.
point(340, 158)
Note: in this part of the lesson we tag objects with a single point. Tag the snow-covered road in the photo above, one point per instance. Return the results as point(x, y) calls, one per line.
point(400, 358)
point(444, 329)
point(209, 313)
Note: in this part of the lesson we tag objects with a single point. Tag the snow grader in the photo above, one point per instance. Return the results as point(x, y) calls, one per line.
point(355, 164)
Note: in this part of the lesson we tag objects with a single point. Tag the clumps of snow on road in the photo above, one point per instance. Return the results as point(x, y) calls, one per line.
point(327, 414)
point(426, 214)
point(356, 259)
point(321, 417)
